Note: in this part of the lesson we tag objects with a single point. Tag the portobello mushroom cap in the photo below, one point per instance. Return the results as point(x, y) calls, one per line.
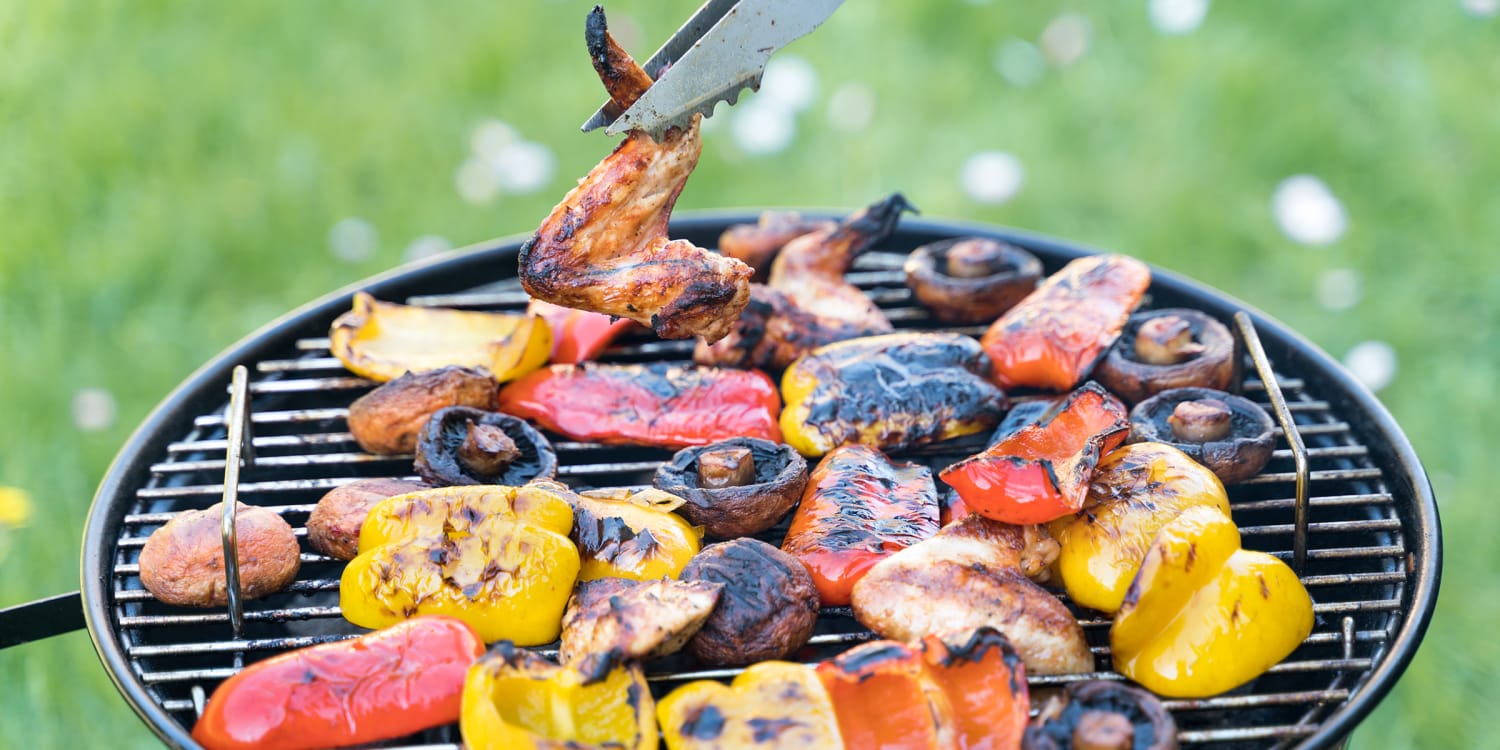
point(767, 609)
point(728, 512)
point(971, 279)
point(386, 420)
point(457, 447)
point(1102, 715)
point(1235, 457)
point(1207, 361)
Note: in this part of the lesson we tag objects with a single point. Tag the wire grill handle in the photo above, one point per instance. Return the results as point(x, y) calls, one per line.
point(238, 453)
point(1288, 428)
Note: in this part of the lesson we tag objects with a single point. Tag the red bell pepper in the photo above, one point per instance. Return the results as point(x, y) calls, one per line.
point(386, 684)
point(578, 335)
point(858, 509)
point(964, 690)
point(653, 404)
point(1052, 338)
point(1041, 472)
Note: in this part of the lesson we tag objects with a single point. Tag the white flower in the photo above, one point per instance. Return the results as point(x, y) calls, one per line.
point(1067, 38)
point(524, 167)
point(1307, 211)
point(1177, 17)
point(791, 81)
point(1338, 288)
point(851, 107)
point(93, 409)
point(992, 177)
point(352, 240)
point(1373, 363)
point(762, 126)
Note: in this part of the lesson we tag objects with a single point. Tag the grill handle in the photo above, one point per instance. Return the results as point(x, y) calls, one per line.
point(40, 619)
point(1289, 430)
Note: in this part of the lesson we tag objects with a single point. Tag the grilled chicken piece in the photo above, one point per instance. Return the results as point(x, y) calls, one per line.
point(969, 575)
point(807, 302)
point(614, 619)
point(756, 244)
point(604, 248)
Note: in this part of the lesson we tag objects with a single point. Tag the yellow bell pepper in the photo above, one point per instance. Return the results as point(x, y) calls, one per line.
point(384, 340)
point(1204, 615)
point(508, 573)
point(516, 700)
point(773, 704)
point(463, 509)
point(1134, 492)
point(624, 534)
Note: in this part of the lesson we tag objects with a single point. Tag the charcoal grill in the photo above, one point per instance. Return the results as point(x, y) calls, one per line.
point(1344, 499)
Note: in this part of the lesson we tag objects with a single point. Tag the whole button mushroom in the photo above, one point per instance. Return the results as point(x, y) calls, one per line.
point(735, 487)
point(387, 419)
point(1168, 348)
point(971, 279)
point(1231, 435)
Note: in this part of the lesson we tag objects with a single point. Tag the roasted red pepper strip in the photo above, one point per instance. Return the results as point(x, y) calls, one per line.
point(859, 508)
point(1052, 338)
point(578, 335)
point(985, 683)
point(655, 404)
point(389, 683)
point(1041, 472)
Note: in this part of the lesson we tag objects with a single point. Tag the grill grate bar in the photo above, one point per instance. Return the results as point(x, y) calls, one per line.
point(293, 416)
point(1327, 475)
point(261, 462)
point(1282, 503)
point(269, 441)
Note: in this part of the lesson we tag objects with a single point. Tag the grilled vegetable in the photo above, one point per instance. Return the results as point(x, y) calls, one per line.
point(578, 335)
point(624, 534)
point(515, 700)
point(1204, 615)
point(728, 507)
point(771, 705)
point(1135, 491)
point(334, 524)
point(767, 609)
point(387, 420)
point(464, 446)
point(1170, 348)
point(971, 574)
point(610, 620)
point(971, 279)
point(1229, 434)
point(656, 404)
point(1052, 338)
point(499, 560)
point(965, 690)
point(182, 562)
point(858, 509)
point(604, 247)
point(889, 392)
point(383, 340)
point(382, 685)
point(1101, 715)
point(1041, 472)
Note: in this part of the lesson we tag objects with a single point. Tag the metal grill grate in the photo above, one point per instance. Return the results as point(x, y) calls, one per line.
point(1356, 557)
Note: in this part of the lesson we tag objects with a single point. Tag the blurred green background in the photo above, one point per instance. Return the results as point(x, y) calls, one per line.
point(174, 175)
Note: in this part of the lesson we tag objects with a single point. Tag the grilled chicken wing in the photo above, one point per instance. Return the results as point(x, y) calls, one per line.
point(610, 619)
point(756, 244)
point(967, 576)
point(807, 302)
point(604, 248)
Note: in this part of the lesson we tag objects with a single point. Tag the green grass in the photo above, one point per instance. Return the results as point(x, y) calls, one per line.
point(169, 173)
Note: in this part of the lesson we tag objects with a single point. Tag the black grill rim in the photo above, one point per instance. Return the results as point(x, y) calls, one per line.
point(204, 390)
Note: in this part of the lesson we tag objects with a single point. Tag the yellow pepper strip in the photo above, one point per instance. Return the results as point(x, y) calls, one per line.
point(516, 700)
point(504, 575)
point(1134, 492)
point(623, 534)
point(384, 340)
point(463, 509)
point(772, 705)
point(1204, 615)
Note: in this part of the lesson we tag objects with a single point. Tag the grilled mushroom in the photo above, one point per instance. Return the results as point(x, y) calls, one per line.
point(333, 527)
point(460, 445)
point(971, 279)
point(182, 562)
point(1229, 434)
point(1168, 348)
point(386, 420)
point(736, 487)
point(1100, 715)
point(767, 608)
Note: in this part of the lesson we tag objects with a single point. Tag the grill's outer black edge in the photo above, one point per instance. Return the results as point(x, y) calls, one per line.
point(204, 391)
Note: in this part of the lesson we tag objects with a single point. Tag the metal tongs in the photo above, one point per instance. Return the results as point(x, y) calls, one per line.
point(720, 51)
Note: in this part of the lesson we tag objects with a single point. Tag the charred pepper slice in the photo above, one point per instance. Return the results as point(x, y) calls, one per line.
point(514, 699)
point(1041, 472)
point(1204, 615)
point(624, 534)
point(506, 575)
point(384, 340)
point(578, 335)
point(859, 508)
point(653, 404)
point(1135, 491)
point(985, 682)
point(1052, 338)
point(890, 392)
point(773, 704)
point(381, 685)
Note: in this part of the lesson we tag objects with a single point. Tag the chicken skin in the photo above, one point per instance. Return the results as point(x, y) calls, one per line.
point(604, 248)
